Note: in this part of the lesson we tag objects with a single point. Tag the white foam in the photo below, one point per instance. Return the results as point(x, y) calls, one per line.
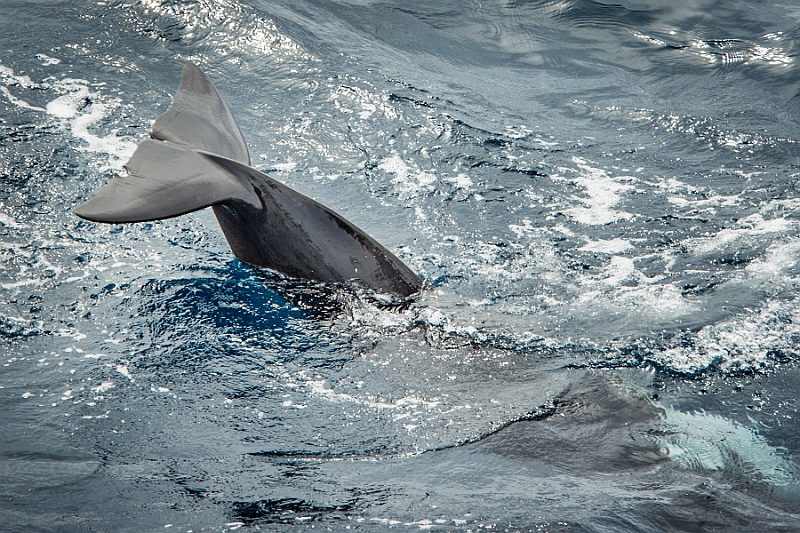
point(394, 165)
point(18, 101)
point(780, 258)
point(608, 297)
point(407, 180)
point(741, 343)
point(8, 77)
point(47, 61)
point(462, 181)
point(367, 111)
point(611, 246)
point(523, 230)
point(753, 225)
point(318, 388)
point(104, 386)
point(23, 283)
point(546, 144)
point(74, 334)
point(518, 132)
point(618, 270)
point(602, 191)
point(285, 167)
point(122, 369)
point(9, 222)
point(79, 109)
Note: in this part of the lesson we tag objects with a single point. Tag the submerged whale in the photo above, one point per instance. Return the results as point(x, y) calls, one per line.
point(196, 157)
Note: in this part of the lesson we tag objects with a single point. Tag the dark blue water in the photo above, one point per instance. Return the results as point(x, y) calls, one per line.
point(601, 197)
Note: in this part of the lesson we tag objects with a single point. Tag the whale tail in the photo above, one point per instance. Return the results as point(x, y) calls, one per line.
point(196, 157)
point(170, 174)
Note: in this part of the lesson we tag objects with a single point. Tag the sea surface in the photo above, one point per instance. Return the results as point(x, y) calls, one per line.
point(601, 196)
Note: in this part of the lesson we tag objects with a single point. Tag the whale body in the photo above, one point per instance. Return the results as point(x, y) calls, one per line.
point(196, 157)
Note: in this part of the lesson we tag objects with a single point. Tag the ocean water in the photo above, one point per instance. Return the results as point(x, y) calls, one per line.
point(601, 198)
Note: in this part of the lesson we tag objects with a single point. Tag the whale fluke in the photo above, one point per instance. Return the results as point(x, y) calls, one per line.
point(200, 119)
point(197, 158)
point(164, 180)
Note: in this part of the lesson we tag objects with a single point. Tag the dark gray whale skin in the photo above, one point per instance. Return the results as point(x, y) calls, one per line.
point(196, 158)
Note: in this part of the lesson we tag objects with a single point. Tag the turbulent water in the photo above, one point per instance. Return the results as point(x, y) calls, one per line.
point(601, 198)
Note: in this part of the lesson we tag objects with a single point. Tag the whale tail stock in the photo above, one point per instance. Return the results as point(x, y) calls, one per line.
point(196, 157)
